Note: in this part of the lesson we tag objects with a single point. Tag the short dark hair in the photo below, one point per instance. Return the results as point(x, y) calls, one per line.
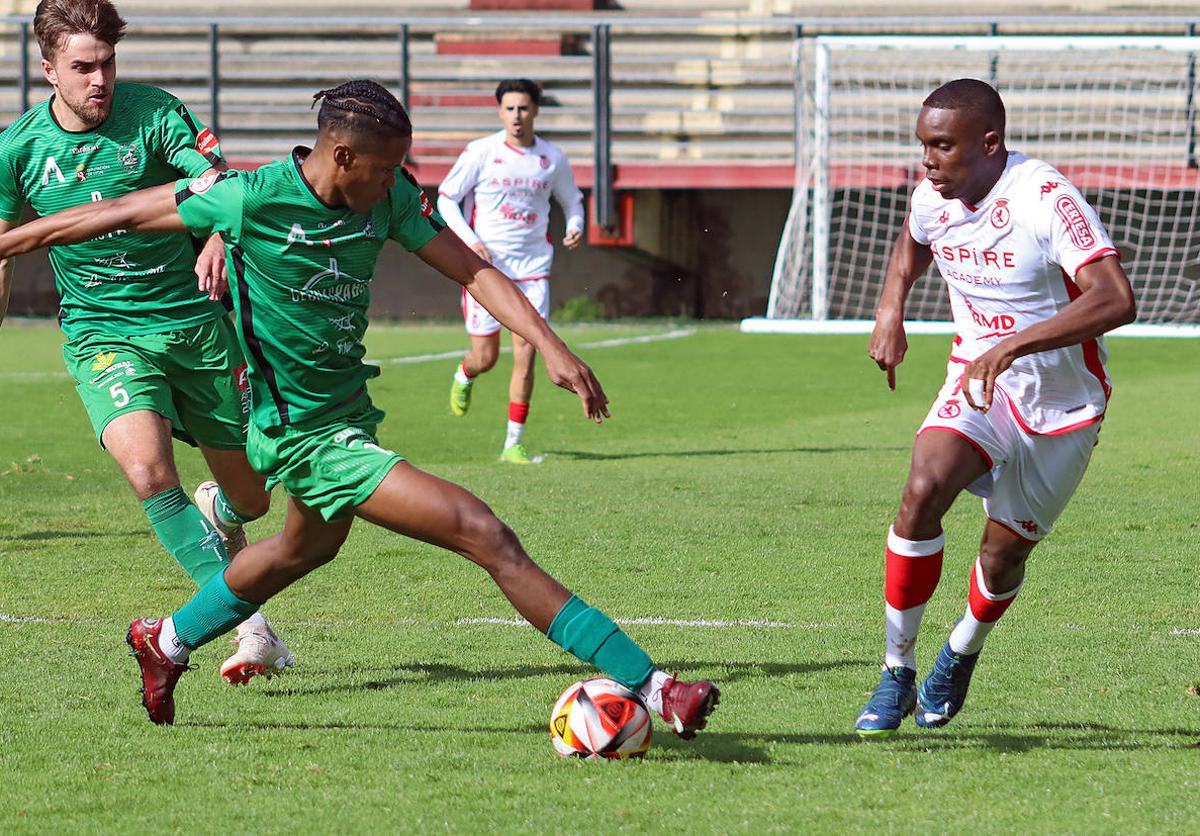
point(56, 20)
point(975, 97)
point(364, 108)
point(519, 85)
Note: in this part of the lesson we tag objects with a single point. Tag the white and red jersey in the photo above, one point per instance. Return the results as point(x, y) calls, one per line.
point(1010, 262)
point(505, 191)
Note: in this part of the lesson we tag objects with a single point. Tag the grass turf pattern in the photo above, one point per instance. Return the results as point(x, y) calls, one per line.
point(744, 482)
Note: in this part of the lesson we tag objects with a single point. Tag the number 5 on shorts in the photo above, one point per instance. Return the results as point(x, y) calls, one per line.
point(119, 395)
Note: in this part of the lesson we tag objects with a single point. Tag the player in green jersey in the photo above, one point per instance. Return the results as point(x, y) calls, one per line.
point(303, 235)
point(152, 354)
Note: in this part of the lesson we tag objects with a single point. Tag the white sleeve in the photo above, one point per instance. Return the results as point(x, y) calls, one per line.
point(458, 185)
point(568, 196)
point(915, 214)
point(1074, 235)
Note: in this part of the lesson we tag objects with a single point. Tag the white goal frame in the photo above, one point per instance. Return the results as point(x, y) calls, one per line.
point(812, 202)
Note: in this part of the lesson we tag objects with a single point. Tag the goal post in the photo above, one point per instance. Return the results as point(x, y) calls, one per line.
point(1118, 116)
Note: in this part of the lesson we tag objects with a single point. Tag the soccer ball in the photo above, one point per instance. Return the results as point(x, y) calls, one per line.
point(599, 718)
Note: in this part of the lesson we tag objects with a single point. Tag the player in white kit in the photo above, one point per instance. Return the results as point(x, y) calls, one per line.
point(1033, 281)
point(504, 182)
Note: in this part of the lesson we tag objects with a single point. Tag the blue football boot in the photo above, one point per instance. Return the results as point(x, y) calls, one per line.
point(944, 691)
point(893, 700)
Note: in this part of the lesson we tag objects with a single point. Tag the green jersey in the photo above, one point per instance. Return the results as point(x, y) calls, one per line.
point(300, 275)
point(122, 283)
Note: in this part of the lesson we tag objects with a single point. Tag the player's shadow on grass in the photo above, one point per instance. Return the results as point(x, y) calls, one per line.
point(38, 536)
point(736, 747)
point(418, 673)
point(589, 456)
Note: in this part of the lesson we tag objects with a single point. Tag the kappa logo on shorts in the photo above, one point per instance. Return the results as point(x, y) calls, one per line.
point(1029, 525)
point(950, 409)
point(103, 361)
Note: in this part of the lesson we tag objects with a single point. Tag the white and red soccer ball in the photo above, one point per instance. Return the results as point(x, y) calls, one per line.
point(600, 718)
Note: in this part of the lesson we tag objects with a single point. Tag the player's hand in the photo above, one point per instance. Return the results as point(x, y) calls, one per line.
point(573, 239)
point(888, 345)
point(482, 252)
point(978, 382)
point(571, 373)
point(211, 275)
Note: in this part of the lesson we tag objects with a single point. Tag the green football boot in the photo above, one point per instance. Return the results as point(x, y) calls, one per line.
point(517, 454)
point(460, 397)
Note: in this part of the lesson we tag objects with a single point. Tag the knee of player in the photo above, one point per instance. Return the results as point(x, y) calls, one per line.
point(253, 505)
point(489, 541)
point(150, 478)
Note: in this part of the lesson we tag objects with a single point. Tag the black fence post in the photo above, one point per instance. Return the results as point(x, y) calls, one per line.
point(605, 204)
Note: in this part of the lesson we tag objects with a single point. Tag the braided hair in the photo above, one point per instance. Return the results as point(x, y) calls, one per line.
point(364, 108)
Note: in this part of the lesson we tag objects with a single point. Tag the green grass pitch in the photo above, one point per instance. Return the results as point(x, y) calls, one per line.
point(745, 480)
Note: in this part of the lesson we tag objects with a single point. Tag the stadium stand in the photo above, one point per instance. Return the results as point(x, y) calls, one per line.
point(702, 110)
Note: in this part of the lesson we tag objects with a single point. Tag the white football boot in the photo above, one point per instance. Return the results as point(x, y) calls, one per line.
point(206, 500)
point(259, 653)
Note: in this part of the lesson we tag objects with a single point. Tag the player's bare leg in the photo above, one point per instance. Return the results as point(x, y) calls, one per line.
point(995, 580)
point(943, 464)
point(481, 358)
point(425, 507)
point(520, 392)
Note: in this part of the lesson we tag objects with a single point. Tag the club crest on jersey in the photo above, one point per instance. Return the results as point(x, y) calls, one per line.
point(426, 206)
point(1077, 224)
point(950, 409)
point(1000, 215)
point(942, 218)
point(202, 184)
point(543, 161)
point(129, 158)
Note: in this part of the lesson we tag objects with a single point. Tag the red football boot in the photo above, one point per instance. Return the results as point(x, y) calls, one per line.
point(686, 705)
point(159, 673)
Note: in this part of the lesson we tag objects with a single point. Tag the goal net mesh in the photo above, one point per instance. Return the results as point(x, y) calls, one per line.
point(1117, 118)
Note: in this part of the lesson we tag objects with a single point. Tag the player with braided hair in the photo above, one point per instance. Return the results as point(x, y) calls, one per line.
point(303, 235)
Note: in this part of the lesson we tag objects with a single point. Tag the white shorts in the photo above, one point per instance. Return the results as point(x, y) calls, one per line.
point(1032, 477)
point(480, 323)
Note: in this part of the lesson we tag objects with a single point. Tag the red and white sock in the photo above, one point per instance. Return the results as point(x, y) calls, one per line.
point(983, 611)
point(913, 570)
point(518, 413)
point(460, 374)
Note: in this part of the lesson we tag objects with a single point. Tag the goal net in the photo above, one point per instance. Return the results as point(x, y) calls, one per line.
point(1116, 116)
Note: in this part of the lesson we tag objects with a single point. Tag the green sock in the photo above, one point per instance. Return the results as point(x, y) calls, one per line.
point(184, 532)
point(227, 514)
point(592, 637)
point(213, 611)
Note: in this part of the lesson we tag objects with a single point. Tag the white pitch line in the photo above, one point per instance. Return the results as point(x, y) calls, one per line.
point(13, 619)
point(616, 342)
point(670, 622)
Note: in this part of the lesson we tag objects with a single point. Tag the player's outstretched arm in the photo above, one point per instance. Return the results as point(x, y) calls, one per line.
point(1106, 301)
point(6, 274)
point(447, 254)
point(908, 261)
point(148, 210)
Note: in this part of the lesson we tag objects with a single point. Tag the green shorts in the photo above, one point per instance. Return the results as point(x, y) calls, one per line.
point(195, 378)
point(331, 465)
